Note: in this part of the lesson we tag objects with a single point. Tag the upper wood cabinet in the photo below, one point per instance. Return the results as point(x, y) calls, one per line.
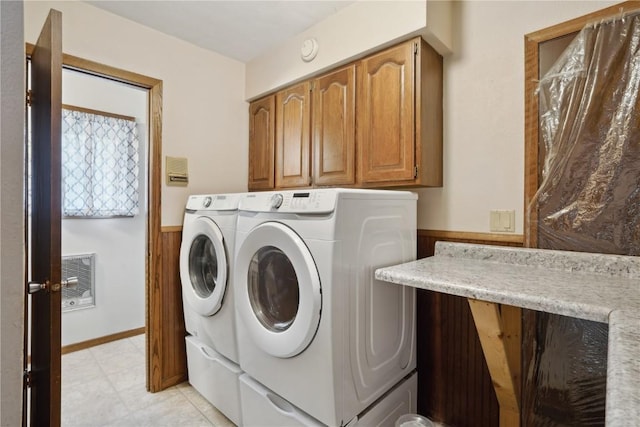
point(374, 123)
point(399, 116)
point(315, 132)
point(261, 143)
point(334, 128)
point(293, 154)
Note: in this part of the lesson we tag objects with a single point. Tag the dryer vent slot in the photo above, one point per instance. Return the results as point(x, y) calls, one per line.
point(83, 295)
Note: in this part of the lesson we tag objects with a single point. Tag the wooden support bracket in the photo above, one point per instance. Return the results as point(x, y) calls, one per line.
point(499, 328)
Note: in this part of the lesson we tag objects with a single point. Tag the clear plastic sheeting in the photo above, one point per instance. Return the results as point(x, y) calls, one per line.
point(566, 381)
point(588, 200)
point(589, 197)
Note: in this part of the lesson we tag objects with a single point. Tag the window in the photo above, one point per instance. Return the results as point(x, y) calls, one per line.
point(99, 164)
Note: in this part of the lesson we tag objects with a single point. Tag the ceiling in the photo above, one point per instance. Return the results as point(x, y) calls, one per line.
point(239, 29)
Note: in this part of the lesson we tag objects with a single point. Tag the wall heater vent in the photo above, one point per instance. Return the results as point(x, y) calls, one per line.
point(82, 267)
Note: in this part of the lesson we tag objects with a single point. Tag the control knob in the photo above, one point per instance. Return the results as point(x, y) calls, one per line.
point(276, 201)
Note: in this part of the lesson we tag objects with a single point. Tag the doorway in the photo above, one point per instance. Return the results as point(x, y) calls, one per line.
point(109, 301)
point(154, 352)
point(105, 169)
point(109, 298)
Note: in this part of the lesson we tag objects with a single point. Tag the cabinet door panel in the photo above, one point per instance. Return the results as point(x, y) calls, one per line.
point(261, 143)
point(334, 128)
point(292, 137)
point(386, 115)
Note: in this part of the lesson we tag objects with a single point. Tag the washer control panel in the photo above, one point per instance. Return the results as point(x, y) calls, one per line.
point(302, 202)
point(214, 202)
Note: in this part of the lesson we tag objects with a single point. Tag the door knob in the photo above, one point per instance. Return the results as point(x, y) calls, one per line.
point(70, 282)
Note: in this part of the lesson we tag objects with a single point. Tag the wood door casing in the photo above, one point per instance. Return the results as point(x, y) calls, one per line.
point(293, 143)
point(261, 143)
point(334, 128)
point(386, 115)
point(45, 244)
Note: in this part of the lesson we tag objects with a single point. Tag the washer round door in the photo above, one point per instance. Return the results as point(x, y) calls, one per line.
point(277, 290)
point(203, 266)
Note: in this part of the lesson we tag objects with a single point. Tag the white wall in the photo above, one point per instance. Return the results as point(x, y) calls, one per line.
point(484, 112)
point(119, 243)
point(204, 113)
point(206, 120)
point(483, 96)
point(351, 32)
point(11, 211)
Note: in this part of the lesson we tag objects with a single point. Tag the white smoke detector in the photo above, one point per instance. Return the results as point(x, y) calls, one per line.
point(309, 49)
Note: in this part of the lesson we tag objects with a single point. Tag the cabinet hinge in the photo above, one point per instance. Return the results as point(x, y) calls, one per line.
point(27, 378)
point(29, 98)
point(415, 48)
point(415, 172)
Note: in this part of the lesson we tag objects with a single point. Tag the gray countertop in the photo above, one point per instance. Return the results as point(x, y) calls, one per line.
point(597, 287)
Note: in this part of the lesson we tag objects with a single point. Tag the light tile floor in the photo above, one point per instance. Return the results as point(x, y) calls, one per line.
point(105, 386)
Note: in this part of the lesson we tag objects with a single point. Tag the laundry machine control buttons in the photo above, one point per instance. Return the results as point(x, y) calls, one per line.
point(276, 200)
point(308, 202)
point(206, 202)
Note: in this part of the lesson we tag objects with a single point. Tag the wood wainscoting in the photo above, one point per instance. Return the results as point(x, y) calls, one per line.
point(454, 384)
point(171, 368)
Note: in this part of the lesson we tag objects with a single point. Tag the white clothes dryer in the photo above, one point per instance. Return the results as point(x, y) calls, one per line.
point(314, 325)
point(206, 271)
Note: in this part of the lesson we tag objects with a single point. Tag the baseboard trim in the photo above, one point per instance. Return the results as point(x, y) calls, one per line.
point(472, 236)
point(102, 340)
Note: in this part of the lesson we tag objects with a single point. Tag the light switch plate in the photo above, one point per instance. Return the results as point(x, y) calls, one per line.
point(502, 221)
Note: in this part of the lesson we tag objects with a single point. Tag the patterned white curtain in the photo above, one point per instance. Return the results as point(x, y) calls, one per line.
point(99, 165)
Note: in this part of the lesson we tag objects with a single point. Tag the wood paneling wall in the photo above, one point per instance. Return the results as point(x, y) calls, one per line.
point(169, 358)
point(454, 385)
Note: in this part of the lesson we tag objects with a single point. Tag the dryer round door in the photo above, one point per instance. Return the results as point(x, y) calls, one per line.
point(203, 266)
point(277, 290)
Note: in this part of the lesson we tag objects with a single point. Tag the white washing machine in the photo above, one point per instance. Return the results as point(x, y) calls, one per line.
point(314, 325)
point(206, 269)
